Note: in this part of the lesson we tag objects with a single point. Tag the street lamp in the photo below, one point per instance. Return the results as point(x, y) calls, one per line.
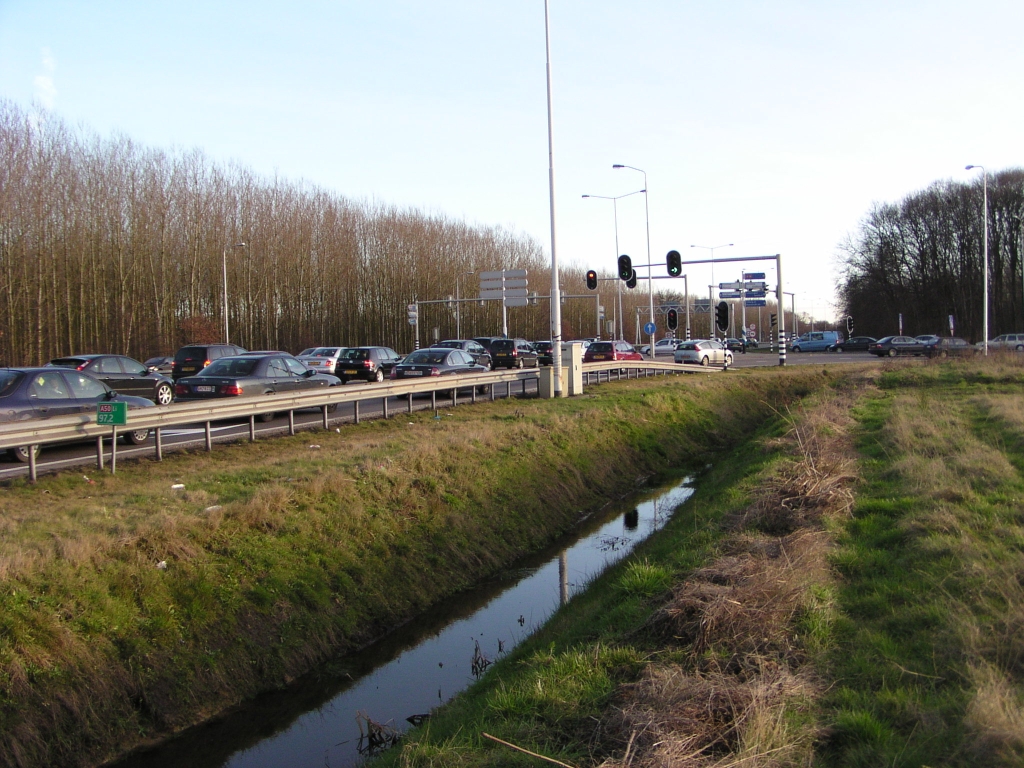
point(984, 316)
point(458, 304)
point(615, 213)
point(712, 249)
point(650, 276)
point(224, 272)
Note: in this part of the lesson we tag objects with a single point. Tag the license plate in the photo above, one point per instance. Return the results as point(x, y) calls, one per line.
point(501, 354)
point(313, 362)
point(351, 373)
point(189, 368)
point(414, 373)
point(599, 357)
point(205, 388)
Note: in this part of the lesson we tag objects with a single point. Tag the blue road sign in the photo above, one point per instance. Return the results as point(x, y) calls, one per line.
point(650, 328)
point(756, 303)
point(753, 275)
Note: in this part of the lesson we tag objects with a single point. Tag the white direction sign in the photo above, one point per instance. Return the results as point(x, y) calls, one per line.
point(503, 273)
point(515, 282)
point(750, 286)
point(517, 302)
point(508, 293)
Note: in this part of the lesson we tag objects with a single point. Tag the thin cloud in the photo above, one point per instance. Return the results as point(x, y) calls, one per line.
point(46, 91)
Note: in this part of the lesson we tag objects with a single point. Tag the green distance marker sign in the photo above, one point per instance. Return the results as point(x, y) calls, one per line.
point(115, 414)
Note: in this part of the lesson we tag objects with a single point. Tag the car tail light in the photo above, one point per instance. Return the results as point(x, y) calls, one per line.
point(434, 372)
point(206, 363)
point(231, 389)
point(368, 364)
point(81, 367)
point(180, 389)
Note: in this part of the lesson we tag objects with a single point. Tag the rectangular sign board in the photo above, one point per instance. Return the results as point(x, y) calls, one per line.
point(503, 273)
point(112, 413)
point(756, 303)
point(758, 294)
point(515, 282)
point(753, 275)
point(497, 293)
point(729, 286)
point(516, 302)
point(730, 295)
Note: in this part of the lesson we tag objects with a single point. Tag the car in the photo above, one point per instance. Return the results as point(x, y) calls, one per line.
point(485, 341)
point(269, 374)
point(892, 346)
point(735, 345)
point(585, 342)
point(475, 349)
point(1014, 341)
point(192, 358)
point(949, 347)
point(366, 363)
point(853, 344)
point(40, 393)
point(816, 341)
point(433, 361)
point(602, 351)
point(703, 352)
point(513, 353)
point(160, 364)
point(545, 352)
point(122, 374)
point(928, 338)
point(661, 347)
point(322, 359)
point(750, 342)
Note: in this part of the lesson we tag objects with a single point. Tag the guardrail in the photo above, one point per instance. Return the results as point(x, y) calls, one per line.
point(33, 433)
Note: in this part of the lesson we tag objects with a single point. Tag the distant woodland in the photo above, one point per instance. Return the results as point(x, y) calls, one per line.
point(922, 257)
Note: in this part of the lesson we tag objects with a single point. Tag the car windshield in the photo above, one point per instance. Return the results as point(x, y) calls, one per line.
point(426, 357)
point(8, 381)
point(231, 366)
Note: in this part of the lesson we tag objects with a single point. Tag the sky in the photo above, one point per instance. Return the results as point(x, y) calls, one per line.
point(771, 125)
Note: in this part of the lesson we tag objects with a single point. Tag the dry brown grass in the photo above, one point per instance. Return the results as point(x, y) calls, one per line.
point(745, 695)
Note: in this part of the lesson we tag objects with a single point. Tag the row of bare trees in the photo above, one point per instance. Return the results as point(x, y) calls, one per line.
point(922, 258)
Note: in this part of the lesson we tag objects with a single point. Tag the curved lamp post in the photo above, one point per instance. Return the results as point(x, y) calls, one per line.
point(984, 316)
point(618, 283)
point(647, 217)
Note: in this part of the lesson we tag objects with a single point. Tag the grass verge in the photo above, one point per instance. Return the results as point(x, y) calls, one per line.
point(130, 608)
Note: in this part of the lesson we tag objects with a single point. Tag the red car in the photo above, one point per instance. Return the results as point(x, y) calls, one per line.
point(601, 351)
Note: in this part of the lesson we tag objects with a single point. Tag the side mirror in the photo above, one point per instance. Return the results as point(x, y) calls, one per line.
point(309, 373)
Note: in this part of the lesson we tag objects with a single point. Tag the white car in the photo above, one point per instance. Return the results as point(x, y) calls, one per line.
point(661, 347)
point(1013, 341)
point(703, 352)
point(321, 359)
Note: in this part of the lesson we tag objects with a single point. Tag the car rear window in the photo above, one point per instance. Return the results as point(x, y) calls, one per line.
point(426, 357)
point(601, 346)
point(190, 353)
point(324, 351)
point(68, 362)
point(9, 381)
point(231, 366)
point(355, 354)
point(501, 344)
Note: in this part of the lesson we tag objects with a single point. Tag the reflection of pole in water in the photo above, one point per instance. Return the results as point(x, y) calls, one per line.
point(563, 577)
point(632, 519)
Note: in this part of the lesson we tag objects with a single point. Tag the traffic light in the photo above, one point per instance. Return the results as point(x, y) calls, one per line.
point(631, 283)
point(674, 263)
point(849, 325)
point(673, 319)
point(591, 280)
point(722, 316)
point(775, 320)
point(625, 267)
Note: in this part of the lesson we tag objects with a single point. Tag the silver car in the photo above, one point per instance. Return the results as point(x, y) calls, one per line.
point(322, 359)
point(703, 352)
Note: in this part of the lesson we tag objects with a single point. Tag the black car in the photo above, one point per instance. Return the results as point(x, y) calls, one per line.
point(160, 364)
point(735, 345)
point(366, 363)
point(192, 358)
point(892, 346)
point(514, 353)
point(424, 363)
point(949, 347)
point(40, 393)
point(545, 352)
point(277, 373)
point(853, 344)
point(485, 341)
point(122, 374)
point(475, 349)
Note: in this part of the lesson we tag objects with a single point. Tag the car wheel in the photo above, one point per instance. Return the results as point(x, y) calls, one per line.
point(944, 353)
point(839, 349)
point(483, 389)
point(379, 376)
point(519, 363)
point(137, 437)
point(892, 352)
point(704, 361)
point(21, 453)
point(797, 350)
point(265, 417)
point(1019, 347)
point(164, 394)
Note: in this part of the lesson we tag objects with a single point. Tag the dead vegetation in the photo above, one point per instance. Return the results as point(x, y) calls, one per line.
point(744, 692)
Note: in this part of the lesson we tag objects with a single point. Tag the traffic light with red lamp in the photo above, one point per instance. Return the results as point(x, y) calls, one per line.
point(672, 319)
point(591, 280)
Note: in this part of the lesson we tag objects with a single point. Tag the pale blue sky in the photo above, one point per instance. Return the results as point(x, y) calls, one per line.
point(771, 125)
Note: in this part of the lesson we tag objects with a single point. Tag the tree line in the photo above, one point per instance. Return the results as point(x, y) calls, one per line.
point(922, 257)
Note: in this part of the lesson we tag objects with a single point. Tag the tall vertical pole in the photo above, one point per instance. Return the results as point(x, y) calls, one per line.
point(686, 289)
point(984, 325)
point(650, 269)
point(556, 299)
point(782, 314)
point(224, 271)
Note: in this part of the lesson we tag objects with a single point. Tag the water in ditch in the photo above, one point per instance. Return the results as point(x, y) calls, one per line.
point(316, 722)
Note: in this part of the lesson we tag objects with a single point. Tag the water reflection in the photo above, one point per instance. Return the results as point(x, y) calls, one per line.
point(327, 718)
